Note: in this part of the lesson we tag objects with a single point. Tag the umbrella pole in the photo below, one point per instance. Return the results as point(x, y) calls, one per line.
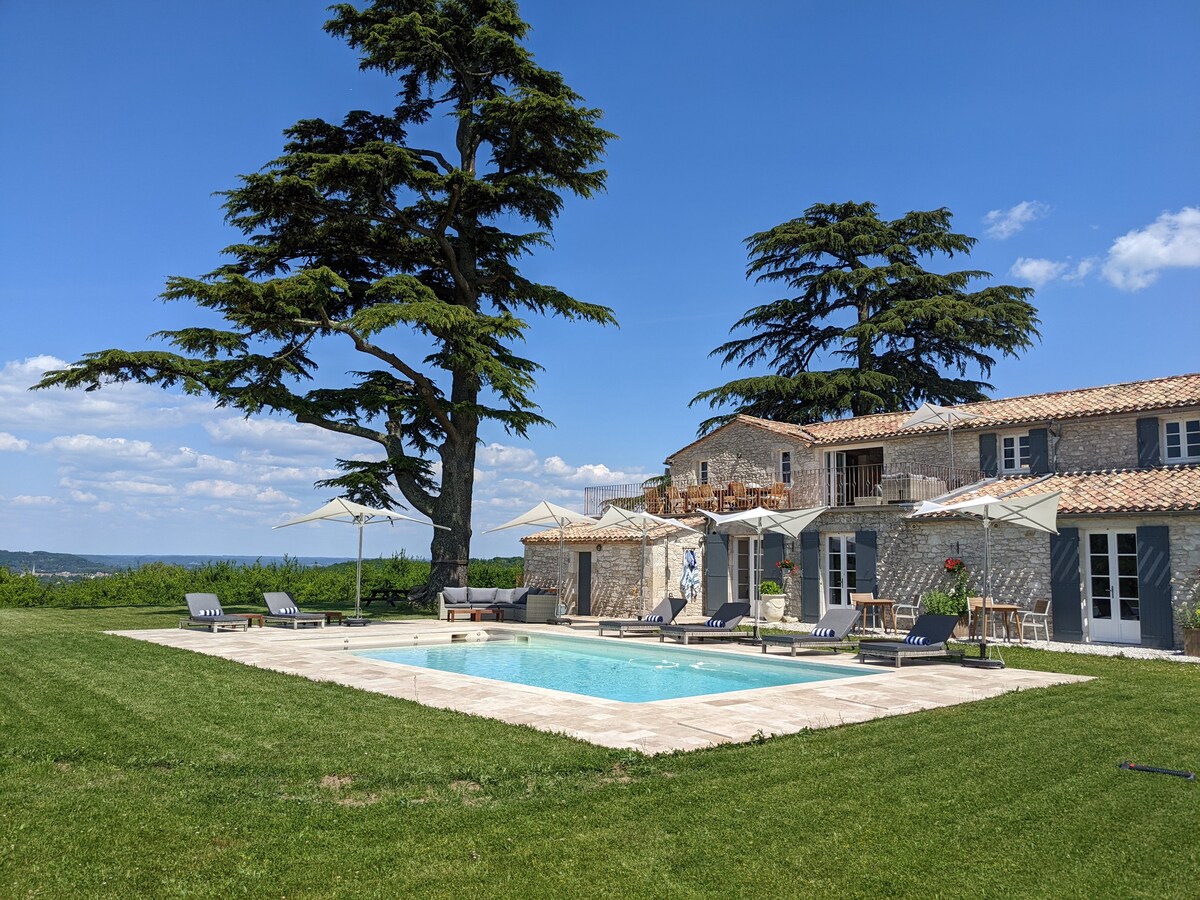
point(642, 584)
point(756, 587)
point(560, 608)
point(987, 583)
point(358, 575)
point(950, 432)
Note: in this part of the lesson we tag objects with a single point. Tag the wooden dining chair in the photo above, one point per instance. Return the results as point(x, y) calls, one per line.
point(736, 498)
point(707, 500)
point(675, 501)
point(652, 500)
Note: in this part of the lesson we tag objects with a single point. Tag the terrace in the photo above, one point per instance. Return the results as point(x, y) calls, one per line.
point(837, 485)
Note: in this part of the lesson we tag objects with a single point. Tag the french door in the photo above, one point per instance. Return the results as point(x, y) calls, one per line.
point(840, 569)
point(835, 478)
point(745, 560)
point(1112, 581)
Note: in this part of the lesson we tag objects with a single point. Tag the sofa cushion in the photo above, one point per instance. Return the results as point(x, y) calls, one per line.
point(477, 596)
point(511, 595)
point(453, 595)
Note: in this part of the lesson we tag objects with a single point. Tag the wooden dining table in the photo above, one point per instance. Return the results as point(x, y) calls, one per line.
point(1009, 614)
point(865, 605)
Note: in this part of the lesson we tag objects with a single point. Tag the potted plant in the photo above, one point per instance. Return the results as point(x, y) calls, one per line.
point(952, 602)
point(1190, 619)
point(772, 601)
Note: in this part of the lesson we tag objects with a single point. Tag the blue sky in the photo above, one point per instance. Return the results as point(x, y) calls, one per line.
point(1062, 135)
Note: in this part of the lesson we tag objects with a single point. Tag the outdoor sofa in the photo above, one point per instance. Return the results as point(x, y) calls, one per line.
point(933, 630)
point(722, 626)
point(839, 621)
point(205, 610)
point(282, 608)
point(663, 614)
point(512, 603)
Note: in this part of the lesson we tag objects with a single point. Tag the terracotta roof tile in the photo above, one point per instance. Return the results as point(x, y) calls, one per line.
point(1134, 396)
point(1165, 489)
point(580, 534)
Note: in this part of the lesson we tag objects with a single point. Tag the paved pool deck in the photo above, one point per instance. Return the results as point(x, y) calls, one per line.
point(657, 727)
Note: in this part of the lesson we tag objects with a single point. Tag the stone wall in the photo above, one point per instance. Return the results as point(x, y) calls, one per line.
point(738, 452)
point(1085, 445)
point(616, 573)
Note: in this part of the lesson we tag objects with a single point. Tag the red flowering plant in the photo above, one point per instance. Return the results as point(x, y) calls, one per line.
point(954, 565)
point(785, 565)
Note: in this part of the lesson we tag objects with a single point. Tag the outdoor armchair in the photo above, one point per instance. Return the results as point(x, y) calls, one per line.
point(664, 614)
point(722, 625)
point(282, 608)
point(926, 639)
point(205, 609)
point(838, 621)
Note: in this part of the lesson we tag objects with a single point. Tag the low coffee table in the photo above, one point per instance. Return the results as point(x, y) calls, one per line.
point(475, 615)
point(332, 615)
point(258, 619)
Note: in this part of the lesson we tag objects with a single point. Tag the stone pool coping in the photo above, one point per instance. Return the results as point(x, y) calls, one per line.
point(660, 726)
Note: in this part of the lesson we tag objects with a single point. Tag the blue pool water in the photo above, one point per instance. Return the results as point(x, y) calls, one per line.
point(610, 669)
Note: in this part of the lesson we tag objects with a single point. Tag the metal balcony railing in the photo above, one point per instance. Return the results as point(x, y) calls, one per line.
point(866, 485)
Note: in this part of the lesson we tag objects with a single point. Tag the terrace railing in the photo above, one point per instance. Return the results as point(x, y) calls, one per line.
point(866, 485)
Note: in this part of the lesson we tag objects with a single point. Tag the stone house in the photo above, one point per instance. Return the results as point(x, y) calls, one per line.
point(1125, 457)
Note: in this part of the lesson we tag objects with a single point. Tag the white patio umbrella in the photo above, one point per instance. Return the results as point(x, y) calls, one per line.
point(640, 522)
point(932, 414)
point(1036, 511)
point(790, 522)
point(550, 515)
point(352, 513)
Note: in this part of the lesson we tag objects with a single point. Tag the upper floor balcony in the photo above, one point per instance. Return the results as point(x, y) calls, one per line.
point(838, 486)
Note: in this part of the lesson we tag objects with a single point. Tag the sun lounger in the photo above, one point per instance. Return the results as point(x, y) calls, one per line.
point(839, 621)
point(205, 610)
point(282, 608)
point(728, 617)
point(664, 614)
point(934, 630)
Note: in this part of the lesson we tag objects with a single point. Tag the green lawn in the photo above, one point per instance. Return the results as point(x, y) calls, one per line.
point(128, 769)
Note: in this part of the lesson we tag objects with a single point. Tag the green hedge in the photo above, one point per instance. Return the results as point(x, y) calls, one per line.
point(159, 584)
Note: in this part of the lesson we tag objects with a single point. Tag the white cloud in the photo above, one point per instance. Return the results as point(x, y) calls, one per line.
point(1081, 271)
point(1136, 259)
point(1037, 272)
point(12, 443)
point(30, 500)
point(1040, 272)
point(1004, 223)
point(125, 406)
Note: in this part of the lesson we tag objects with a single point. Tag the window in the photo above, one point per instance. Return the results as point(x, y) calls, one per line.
point(1182, 440)
point(1014, 453)
point(702, 471)
point(785, 466)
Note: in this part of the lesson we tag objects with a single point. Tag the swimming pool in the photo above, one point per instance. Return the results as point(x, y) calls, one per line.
point(609, 669)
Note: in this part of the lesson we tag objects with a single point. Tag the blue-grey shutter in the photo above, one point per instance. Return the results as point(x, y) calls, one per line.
point(864, 562)
point(1148, 451)
point(1066, 602)
point(1039, 451)
point(810, 576)
point(1154, 586)
point(988, 464)
point(716, 571)
point(772, 553)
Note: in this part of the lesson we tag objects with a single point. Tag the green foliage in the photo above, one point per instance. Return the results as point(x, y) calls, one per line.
point(769, 587)
point(161, 584)
point(864, 299)
point(943, 603)
point(1190, 616)
point(364, 234)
